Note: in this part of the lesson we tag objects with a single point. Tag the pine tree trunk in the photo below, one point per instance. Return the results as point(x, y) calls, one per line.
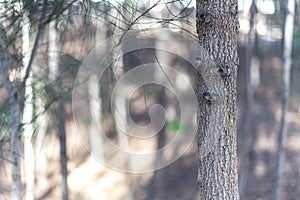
point(15, 144)
point(40, 152)
point(217, 62)
point(96, 140)
point(63, 148)
point(54, 75)
point(288, 43)
point(15, 138)
point(162, 58)
point(247, 134)
point(15, 132)
point(107, 80)
point(28, 114)
point(15, 110)
point(120, 109)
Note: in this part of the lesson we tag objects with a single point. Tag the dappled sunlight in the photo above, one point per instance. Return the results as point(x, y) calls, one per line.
point(260, 169)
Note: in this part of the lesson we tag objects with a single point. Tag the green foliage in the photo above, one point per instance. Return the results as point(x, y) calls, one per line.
point(176, 126)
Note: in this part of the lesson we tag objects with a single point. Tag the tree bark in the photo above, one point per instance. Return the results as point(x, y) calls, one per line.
point(96, 140)
point(40, 150)
point(14, 108)
point(288, 43)
point(54, 76)
point(28, 113)
point(247, 137)
point(63, 148)
point(217, 62)
point(15, 135)
point(162, 58)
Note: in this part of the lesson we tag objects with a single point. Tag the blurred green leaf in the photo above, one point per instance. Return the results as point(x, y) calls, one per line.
point(175, 126)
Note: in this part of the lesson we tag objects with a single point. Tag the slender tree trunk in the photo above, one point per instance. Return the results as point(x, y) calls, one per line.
point(54, 75)
point(15, 134)
point(247, 134)
point(162, 59)
point(217, 62)
point(107, 79)
point(40, 132)
point(28, 114)
point(41, 167)
point(96, 140)
point(120, 111)
point(63, 148)
point(41, 123)
point(158, 179)
point(15, 143)
point(15, 111)
point(288, 43)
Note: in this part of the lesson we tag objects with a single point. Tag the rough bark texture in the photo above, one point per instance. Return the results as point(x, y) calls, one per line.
point(217, 27)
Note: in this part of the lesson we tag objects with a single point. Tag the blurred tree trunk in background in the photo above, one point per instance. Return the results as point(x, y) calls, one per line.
point(7, 64)
point(55, 76)
point(94, 34)
point(15, 128)
point(96, 141)
point(40, 149)
point(217, 27)
point(28, 112)
point(162, 58)
point(123, 17)
point(107, 80)
point(287, 59)
point(247, 134)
